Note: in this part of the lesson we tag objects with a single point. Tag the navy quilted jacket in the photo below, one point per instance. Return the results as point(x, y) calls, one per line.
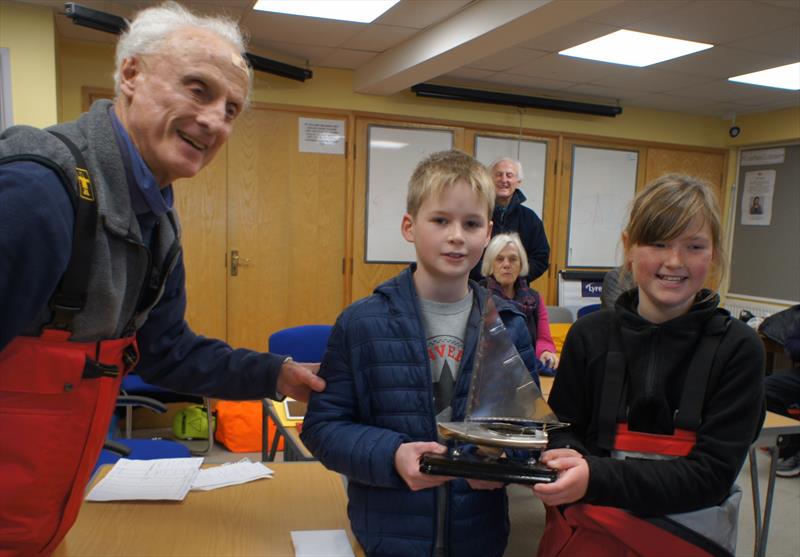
point(379, 394)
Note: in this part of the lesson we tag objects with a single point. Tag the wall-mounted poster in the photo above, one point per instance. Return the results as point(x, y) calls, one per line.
point(759, 189)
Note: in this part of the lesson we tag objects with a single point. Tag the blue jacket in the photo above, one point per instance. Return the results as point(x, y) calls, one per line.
point(379, 395)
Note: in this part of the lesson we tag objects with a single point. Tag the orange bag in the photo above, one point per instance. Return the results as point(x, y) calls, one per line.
point(239, 426)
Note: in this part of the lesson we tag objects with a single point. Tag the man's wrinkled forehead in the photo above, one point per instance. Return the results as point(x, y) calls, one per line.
point(193, 42)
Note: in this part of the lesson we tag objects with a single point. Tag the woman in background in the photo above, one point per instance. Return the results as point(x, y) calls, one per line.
point(505, 264)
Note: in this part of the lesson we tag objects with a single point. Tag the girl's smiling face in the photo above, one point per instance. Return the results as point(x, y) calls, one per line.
point(670, 273)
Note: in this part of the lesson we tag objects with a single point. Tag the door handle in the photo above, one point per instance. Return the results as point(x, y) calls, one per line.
point(237, 261)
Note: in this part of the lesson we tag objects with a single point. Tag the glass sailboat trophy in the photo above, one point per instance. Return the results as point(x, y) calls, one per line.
point(506, 422)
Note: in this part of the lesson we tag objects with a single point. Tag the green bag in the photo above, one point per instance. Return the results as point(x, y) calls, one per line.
point(191, 423)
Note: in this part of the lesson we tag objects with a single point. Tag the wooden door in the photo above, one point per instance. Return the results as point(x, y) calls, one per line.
point(201, 203)
point(706, 165)
point(286, 219)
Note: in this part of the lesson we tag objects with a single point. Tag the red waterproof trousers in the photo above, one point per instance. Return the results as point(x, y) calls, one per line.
point(56, 401)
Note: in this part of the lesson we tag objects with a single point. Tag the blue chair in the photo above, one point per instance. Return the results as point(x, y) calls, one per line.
point(588, 309)
point(134, 385)
point(304, 343)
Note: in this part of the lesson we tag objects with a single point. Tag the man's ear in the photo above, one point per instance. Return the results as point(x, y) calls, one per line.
point(129, 71)
point(407, 228)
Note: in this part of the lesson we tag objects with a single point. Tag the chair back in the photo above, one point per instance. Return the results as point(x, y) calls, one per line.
point(304, 343)
point(559, 314)
point(588, 309)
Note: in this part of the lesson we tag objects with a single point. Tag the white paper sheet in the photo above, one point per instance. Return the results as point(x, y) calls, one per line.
point(321, 543)
point(233, 473)
point(159, 479)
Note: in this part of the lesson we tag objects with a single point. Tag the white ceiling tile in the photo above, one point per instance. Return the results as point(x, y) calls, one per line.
point(420, 14)
point(311, 54)
point(722, 61)
point(469, 74)
point(607, 92)
point(723, 90)
point(346, 58)
point(786, 4)
point(780, 42)
point(717, 21)
point(570, 35)
point(284, 28)
point(377, 38)
point(506, 59)
point(635, 10)
point(566, 68)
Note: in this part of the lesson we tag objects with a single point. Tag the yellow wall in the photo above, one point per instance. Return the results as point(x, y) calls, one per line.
point(82, 64)
point(28, 32)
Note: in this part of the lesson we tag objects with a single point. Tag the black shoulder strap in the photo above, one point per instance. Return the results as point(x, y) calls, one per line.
point(70, 296)
point(690, 409)
point(613, 387)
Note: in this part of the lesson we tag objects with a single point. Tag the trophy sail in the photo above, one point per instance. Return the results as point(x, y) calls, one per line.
point(505, 410)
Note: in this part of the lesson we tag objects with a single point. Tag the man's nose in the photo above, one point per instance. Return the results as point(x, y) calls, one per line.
point(212, 116)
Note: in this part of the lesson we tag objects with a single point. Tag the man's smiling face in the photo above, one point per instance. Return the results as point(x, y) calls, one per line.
point(180, 103)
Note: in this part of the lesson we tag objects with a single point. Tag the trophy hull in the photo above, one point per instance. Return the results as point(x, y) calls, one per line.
point(486, 468)
point(492, 435)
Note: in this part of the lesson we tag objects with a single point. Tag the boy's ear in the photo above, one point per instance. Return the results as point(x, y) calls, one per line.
point(407, 228)
point(488, 234)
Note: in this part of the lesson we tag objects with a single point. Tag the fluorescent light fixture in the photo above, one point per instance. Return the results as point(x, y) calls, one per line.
point(782, 77)
point(632, 48)
point(386, 144)
point(361, 11)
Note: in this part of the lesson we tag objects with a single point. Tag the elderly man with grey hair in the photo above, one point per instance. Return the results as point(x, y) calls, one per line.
point(93, 277)
point(510, 215)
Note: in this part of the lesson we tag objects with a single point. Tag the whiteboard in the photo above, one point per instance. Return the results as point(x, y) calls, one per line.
point(392, 155)
point(532, 155)
point(603, 185)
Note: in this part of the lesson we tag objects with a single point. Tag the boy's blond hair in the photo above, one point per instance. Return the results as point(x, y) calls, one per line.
point(441, 170)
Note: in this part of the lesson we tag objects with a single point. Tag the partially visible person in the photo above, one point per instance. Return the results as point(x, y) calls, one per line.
point(401, 360)
point(615, 282)
point(93, 274)
point(510, 215)
point(664, 396)
point(504, 266)
point(782, 389)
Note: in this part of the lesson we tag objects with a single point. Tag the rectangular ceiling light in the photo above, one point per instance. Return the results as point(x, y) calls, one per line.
point(361, 11)
point(783, 77)
point(632, 48)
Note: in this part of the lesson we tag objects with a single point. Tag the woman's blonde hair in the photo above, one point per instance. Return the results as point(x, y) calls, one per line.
point(497, 245)
point(664, 209)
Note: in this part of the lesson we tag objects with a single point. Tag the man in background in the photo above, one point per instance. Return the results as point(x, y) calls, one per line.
point(93, 273)
point(510, 215)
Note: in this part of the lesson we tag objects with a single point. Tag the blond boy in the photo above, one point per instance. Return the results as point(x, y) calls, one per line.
point(399, 361)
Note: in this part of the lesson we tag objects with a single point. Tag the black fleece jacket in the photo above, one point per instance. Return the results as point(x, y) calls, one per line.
point(657, 359)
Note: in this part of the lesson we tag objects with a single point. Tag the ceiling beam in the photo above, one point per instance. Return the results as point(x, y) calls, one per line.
point(478, 31)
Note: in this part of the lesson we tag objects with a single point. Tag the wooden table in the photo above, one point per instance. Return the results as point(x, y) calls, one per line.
point(249, 519)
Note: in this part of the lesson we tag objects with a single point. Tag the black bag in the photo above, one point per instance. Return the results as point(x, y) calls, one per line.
point(777, 326)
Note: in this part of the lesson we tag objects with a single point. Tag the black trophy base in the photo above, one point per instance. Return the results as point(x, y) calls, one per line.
point(486, 468)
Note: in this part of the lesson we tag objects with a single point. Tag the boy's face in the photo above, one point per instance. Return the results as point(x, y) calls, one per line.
point(449, 232)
